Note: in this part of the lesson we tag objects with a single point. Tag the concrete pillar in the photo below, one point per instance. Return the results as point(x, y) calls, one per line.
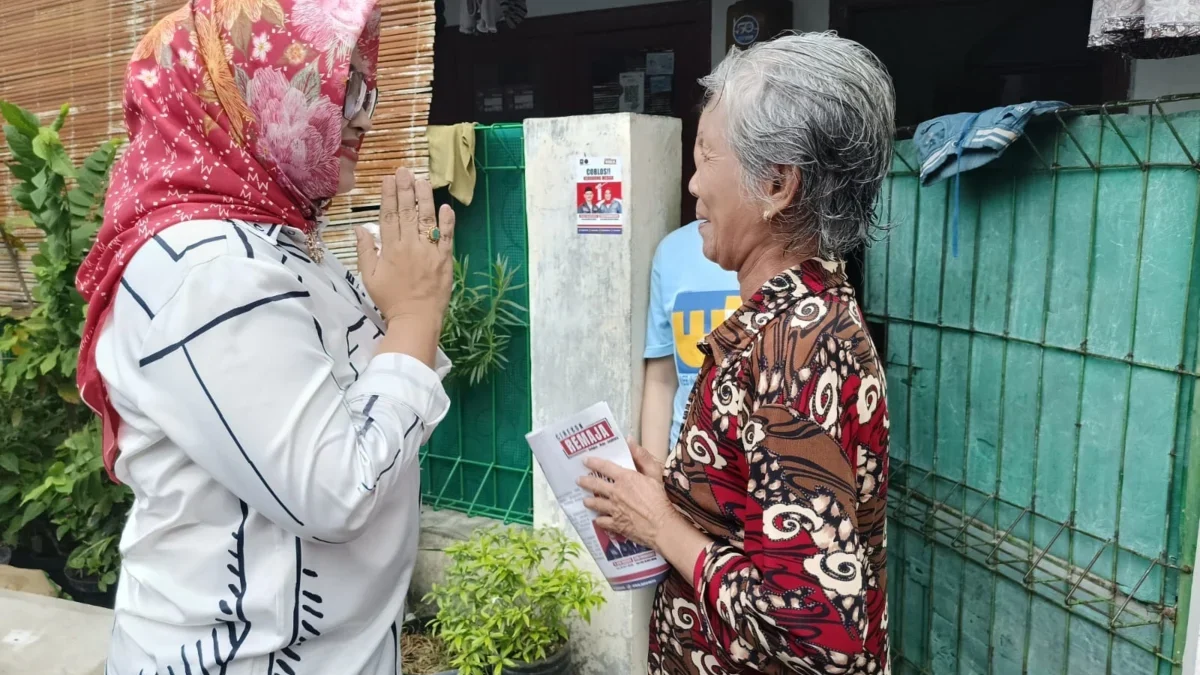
point(588, 295)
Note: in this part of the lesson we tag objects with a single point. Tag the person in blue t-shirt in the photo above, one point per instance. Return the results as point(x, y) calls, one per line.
point(689, 297)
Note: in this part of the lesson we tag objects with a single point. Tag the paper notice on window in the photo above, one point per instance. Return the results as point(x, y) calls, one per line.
point(560, 449)
point(633, 92)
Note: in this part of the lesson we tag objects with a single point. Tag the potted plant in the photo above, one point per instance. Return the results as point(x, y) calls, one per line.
point(34, 420)
point(31, 427)
point(91, 571)
point(506, 600)
point(87, 512)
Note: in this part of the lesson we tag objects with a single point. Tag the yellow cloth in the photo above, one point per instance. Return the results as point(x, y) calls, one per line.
point(452, 159)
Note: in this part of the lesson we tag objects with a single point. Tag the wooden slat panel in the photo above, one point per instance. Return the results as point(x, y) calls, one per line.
point(76, 51)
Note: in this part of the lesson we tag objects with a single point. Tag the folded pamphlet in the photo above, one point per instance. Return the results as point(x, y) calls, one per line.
point(560, 449)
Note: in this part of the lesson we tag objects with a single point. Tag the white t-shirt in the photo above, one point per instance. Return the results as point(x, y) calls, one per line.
point(272, 455)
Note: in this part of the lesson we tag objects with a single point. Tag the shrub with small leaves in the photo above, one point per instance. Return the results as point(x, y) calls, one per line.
point(84, 505)
point(507, 596)
point(50, 466)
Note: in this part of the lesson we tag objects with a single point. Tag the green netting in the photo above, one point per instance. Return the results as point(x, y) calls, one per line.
point(477, 461)
point(1042, 384)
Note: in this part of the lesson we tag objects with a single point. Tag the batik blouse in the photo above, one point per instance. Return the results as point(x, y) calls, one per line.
point(783, 462)
point(272, 456)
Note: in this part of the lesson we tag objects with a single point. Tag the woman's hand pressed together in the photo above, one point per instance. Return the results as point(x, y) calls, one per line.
point(410, 277)
point(634, 504)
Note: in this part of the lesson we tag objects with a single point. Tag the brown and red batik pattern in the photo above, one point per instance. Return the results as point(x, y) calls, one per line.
point(783, 461)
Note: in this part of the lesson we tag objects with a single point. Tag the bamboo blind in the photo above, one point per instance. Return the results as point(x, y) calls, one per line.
point(76, 51)
point(398, 138)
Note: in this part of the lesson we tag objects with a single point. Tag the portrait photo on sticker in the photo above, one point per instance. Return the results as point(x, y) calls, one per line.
point(599, 197)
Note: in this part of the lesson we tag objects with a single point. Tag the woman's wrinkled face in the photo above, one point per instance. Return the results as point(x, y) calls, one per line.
point(352, 134)
point(732, 224)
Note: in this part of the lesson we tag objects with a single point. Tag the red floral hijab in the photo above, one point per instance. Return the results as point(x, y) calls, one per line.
point(234, 110)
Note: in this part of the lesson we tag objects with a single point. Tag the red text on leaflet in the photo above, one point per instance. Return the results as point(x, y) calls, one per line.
point(587, 438)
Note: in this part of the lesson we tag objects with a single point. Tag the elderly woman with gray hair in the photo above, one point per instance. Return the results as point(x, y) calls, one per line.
point(771, 507)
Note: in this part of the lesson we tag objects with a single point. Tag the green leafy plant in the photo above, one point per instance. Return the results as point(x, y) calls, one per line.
point(83, 504)
point(33, 423)
point(66, 203)
point(507, 596)
point(480, 320)
point(50, 465)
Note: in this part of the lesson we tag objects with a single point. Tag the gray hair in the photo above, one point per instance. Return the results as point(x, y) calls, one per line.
point(823, 105)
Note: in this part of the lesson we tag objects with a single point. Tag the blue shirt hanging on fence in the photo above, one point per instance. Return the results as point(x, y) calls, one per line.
point(949, 145)
point(952, 144)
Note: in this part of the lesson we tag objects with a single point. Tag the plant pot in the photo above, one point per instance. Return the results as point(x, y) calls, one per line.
point(558, 663)
point(50, 562)
point(86, 589)
point(41, 538)
point(37, 549)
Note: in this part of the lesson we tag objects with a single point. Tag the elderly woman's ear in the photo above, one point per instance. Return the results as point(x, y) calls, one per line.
point(783, 192)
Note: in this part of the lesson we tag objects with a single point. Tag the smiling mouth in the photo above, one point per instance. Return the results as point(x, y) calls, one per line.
point(349, 151)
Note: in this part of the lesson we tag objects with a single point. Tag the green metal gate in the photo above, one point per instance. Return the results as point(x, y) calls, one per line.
point(478, 461)
point(1042, 376)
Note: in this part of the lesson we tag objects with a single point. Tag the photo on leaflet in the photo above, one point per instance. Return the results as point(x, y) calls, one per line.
point(615, 546)
point(599, 198)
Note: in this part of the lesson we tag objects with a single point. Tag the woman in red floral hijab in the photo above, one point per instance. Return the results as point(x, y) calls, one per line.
point(265, 405)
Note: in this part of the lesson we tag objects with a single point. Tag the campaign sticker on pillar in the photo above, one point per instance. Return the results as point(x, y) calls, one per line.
point(599, 199)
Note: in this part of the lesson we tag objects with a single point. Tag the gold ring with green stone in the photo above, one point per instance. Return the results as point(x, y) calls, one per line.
point(434, 235)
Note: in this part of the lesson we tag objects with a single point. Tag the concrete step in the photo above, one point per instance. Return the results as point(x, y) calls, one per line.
point(42, 635)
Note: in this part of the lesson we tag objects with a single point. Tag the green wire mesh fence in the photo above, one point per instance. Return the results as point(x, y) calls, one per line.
point(1042, 379)
point(477, 461)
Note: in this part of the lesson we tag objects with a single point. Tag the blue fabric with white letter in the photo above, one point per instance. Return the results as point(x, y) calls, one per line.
point(950, 145)
point(953, 144)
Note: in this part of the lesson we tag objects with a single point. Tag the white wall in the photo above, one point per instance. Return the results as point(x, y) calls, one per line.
point(807, 15)
point(1152, 78)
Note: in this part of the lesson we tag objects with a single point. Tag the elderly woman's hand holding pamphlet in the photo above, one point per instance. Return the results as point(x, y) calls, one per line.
point(561, 450)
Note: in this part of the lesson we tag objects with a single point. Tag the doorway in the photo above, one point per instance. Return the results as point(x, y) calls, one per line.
point(575, 64)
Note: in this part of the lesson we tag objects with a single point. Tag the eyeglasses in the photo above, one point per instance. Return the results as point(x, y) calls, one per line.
point(358, 96)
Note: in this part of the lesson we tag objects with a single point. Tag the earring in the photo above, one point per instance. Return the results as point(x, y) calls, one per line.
point(767, 214)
